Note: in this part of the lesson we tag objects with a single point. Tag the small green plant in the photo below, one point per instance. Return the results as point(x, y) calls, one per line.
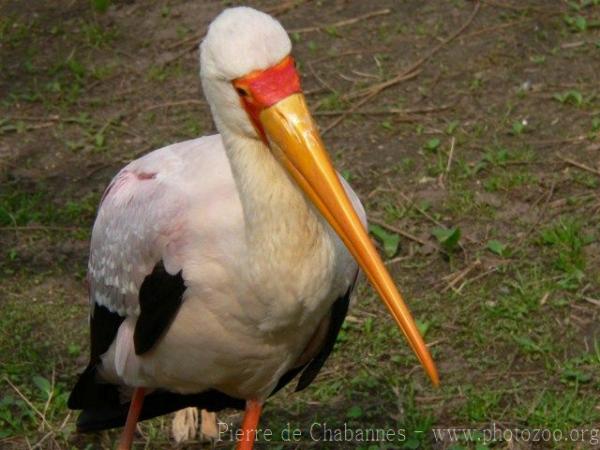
point(566, 238)
point(101, 5)
point(447, 237)
point(527, 344)
point(496, 157)
point(576, 375)
point(422, 326)
point(573, 97)
point(585, 179)
point(332, 31)
point(508, 180)
point(97, 36)
point(518, 127)
point(387, 125)
point(165, 12)
point(580, 369)
point(76, 68)
point(575, 6)
point(355, 412)
point(347, 175)
point(497, 247)
point(479, 403)
point(577, 23)
point(331, 102)
point(476, 82)
point(157, 73)
point(432, 145)
point(389, 240)
point(452, 126)
point(393, 211)
point(537, 59)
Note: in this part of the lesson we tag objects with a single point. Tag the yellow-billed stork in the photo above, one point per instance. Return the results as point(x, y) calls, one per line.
point(221, 267)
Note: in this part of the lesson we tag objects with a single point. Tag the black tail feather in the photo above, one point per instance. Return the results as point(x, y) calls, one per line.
point(103, 409)
point(89, 393)
point(96, 418)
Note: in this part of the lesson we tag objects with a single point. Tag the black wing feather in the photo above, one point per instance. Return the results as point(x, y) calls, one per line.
point(160, 298)
point(104, 325)
point(155, 404)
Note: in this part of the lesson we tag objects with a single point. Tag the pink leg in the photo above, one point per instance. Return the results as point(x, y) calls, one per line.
point(249, 425)
point(135, 407)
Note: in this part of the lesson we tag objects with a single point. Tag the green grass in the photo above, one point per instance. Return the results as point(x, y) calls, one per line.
point(36, 378)
point(20, 208)
point(566, 240)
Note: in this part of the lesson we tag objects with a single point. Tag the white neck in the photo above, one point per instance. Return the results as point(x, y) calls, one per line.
point(277, 214)
point(282, 230)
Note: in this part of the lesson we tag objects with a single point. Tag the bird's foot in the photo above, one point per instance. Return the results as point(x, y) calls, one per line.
point(209, 430)
point(185, 425)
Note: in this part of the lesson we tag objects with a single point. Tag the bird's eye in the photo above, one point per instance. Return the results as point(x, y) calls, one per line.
point(242, 92)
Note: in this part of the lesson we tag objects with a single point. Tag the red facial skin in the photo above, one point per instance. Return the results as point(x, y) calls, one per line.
point(261, 89)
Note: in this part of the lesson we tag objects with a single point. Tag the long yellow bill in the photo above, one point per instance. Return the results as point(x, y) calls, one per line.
point(289, 126)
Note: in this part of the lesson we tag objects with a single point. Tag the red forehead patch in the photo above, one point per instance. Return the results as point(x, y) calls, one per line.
point(267, 87)
point(263, 88)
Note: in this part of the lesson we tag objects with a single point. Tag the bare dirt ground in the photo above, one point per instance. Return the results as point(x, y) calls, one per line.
point(469, 129)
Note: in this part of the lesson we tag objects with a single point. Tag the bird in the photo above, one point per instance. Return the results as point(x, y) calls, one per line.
point(221, 267)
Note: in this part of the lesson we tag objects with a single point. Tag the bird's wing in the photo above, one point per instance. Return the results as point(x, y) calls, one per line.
point(143, 217)
point(138, 217)
point(144, 225)
point(136, 262)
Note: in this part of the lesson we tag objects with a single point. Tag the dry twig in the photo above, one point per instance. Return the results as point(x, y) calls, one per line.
point(39, 443)
point(342, 23)
point(377, 88)
point(593, 301)
point(478, 277)
point(349, 53)
point(450, 155)
point(420, 210)
point(50, 395)
point(409, 73)
point(496, 28)
point(385, 112)
point(558, 141)
point(358, 104)
point(519, 9)
point(319, 79)
point(454, 279)
point(398, 231)
point(579, 165)
point(31, 405)
point(173, 103)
